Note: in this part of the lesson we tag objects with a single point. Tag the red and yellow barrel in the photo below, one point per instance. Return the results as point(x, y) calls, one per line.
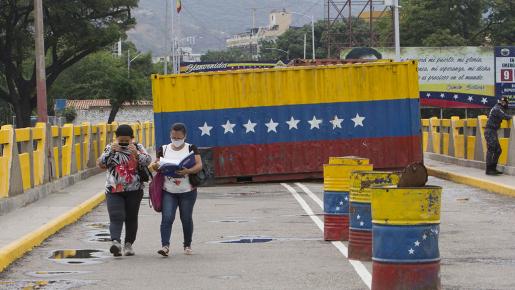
point(360, 230)
point(336, 195)
point(405, 230)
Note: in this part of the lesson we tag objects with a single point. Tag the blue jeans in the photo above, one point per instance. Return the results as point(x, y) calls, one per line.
point(185, 202)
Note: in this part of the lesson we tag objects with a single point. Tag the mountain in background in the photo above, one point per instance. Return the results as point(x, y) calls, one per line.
point(211, 22)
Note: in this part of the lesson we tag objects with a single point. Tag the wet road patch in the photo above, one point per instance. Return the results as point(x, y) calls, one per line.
point(43, 284)
point(79, 257)
point(51, 274)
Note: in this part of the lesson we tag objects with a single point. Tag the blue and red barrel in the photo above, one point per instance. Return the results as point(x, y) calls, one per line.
point(336, 195)
point(360, 230)
point(405, 230)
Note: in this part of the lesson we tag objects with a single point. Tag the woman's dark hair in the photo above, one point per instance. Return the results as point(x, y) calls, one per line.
point(124, 130)
point(179, 127)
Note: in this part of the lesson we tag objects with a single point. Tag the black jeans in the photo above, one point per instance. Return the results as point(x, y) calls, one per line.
point(123, 207)
point(493, 149)
point(185, 202)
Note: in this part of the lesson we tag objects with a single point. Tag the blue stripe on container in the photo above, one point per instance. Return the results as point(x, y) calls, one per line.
point(336, 202)
point(392, 118)
point(398, 244)
point(360, 216)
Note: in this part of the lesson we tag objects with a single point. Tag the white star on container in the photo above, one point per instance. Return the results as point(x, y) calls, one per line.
point(361, 223)
point(442, 95)
point(358, 121)
point(337, 123)
point(346, 198)
point(228, 127)
point(341, 202)
point(470, 98)
point(484, 101)
point(428, 95)
point(272, 126)
point(417, 244)
point(315, 123)
point(455, 97)
point(250, 127)
point(358, 217)
point(293, 124)
point(206, 130)
point(424, 237)
point(337, 208)
point(411, 251)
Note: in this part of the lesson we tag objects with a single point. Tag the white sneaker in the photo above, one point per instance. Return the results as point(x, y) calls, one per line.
point(128, 251)
point(188, 251)
point(116, 249)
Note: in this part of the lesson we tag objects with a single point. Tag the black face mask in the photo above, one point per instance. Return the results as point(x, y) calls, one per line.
point(123, 144)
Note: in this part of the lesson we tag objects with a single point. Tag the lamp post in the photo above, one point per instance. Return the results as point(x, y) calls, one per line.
point(281, 50)
point(312, 18)
point(40, 62)
point(129, 61)
point(395, 5)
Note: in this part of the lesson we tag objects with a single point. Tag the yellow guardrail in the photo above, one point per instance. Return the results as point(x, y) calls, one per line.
point(465, 138)
point(31, 157)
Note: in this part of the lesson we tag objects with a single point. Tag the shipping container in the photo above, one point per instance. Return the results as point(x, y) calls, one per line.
point(285, 123)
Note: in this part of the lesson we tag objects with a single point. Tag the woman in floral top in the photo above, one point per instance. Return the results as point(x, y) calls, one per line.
point(124, 189)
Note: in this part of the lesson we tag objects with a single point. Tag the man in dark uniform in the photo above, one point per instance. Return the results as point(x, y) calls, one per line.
point(497, 115)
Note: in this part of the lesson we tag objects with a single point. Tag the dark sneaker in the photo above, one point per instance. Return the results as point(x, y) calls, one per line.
point(491, 172)
point(127, 250)
point(116, 249)
point(165, 251)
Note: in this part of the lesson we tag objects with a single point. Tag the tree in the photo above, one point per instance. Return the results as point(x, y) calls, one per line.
point(499, 26)
point(438, 23)
point(444, 37)
point(102, 75)
point(73, 30)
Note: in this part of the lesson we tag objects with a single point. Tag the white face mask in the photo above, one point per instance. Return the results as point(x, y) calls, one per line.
point(177, 143)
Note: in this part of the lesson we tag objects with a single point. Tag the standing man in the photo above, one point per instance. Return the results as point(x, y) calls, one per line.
point(497, 115)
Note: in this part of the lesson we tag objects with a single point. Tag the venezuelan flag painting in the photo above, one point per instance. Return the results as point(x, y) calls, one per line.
point(290, 121)
point(178, 6)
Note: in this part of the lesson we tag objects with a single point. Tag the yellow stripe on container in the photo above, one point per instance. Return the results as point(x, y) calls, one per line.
point(361, 181)
point(285, 86)
point(337, 176)
point(406, 206)
point(349, 160)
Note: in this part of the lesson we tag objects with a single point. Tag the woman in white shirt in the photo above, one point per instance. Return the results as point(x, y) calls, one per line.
point(178, 191)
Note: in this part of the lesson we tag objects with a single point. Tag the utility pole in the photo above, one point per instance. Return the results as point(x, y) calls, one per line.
point(167, 34)
point(305, 45)
point(40, 62)
point(397, 31)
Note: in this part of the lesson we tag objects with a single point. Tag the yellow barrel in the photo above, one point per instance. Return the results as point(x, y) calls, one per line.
point(406, 206)
point(349, 160)
point(337, 176)
point(361, 181)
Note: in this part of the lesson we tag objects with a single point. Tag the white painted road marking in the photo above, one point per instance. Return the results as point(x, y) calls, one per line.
point(358, 266)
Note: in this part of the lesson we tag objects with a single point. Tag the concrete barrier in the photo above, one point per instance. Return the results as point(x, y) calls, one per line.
point(33, 157)
point(465, 138)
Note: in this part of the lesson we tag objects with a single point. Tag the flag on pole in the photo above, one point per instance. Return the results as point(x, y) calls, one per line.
point(178, 6)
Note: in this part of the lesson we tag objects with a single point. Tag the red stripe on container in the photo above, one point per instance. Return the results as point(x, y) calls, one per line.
point(336, 227)
point(360, 245)
point(308, 157)
point(406, 276)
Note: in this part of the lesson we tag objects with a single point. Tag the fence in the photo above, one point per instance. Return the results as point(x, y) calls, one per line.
point(30, 157)
point(465, 138)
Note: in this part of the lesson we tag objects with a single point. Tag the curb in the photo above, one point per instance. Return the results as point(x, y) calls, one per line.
point(472, 181)
point(18, 248)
